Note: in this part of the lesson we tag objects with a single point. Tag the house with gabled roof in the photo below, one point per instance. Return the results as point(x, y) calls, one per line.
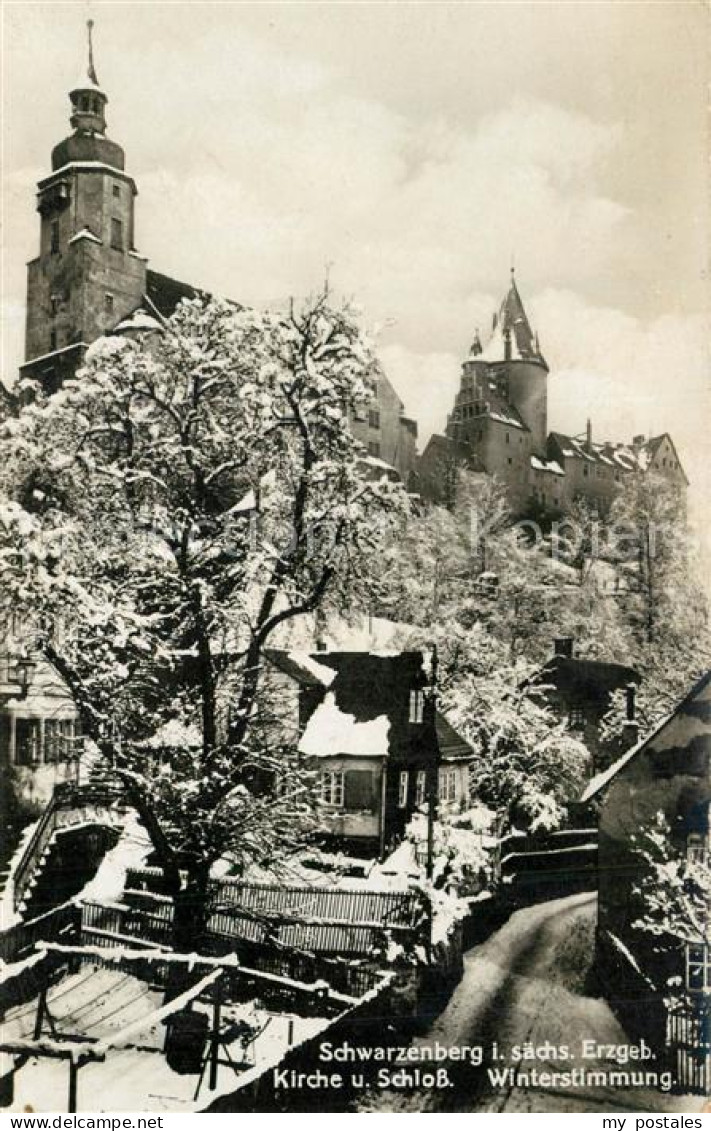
point(580, 690)
point(369, 726)
point(668, 773)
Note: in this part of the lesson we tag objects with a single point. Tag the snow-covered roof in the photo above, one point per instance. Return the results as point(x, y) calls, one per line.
point(140, 320)
point(84, 234)
point(53, 353)
point(687, 723)
point(83, 165)
point(550, 465)
point(331, 731)
point(511, 333)
point(363, 687)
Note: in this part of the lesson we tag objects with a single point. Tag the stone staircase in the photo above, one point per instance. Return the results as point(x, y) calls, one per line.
point(72, 806)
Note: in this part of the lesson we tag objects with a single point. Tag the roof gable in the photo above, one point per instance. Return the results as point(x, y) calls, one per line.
point(694, 712)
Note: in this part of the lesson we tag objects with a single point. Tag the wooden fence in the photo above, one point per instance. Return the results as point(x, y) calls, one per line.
point(315, 920)
point(56, 925)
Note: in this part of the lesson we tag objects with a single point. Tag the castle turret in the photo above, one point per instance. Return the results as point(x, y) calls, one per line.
point(514, 353)
point(88, 275)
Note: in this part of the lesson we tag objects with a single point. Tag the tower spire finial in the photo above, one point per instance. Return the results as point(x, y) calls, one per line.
point(91, 70)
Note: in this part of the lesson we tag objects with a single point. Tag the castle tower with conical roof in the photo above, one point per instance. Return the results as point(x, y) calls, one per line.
point(500, 415)
point(87, 275)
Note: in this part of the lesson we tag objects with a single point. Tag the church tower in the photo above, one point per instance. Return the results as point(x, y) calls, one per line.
point(88, 275)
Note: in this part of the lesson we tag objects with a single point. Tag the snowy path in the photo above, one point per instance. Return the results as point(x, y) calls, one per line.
point(525, 983)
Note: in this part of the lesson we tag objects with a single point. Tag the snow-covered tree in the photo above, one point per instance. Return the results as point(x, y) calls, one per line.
point(651, 546)
point(675, 902)
point(163, 514)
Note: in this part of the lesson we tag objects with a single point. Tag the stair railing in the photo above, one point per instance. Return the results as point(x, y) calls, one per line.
point(66, 795)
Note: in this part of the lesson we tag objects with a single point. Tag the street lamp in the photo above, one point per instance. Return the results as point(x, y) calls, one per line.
point(24, 670)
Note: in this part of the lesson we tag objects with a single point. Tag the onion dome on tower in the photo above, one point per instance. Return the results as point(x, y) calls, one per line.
point(88, 119)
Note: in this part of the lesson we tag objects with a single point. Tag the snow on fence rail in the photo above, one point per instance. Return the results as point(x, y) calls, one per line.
point(298, 903)
point(18, 941)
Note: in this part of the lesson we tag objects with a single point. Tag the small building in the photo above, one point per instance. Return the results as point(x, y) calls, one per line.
point(668, 773)
point(369, 726)
point(39, 740)
point(580, 691)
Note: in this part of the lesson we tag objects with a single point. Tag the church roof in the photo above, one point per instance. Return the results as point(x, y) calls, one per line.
point(166, 293)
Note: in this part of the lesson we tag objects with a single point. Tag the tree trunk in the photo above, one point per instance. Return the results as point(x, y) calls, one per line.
point(189, 924)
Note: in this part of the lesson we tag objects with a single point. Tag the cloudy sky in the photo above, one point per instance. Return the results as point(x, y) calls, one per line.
point(410, 150)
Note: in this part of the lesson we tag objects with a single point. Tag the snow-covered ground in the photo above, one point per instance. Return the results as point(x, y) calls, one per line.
point(525, 984)
point(98, 1003)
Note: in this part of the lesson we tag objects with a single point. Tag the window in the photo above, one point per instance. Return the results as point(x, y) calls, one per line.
point(54, 237)
point(54, 304)
point(58, 740)
point(332, 787)
point(84, 102)
point(402, 789)
point(28, 742)
point(508, 438)
point(374, 449)
point(510, 460)
point(359, 792)
point(577, 717)
point(374, 418)
point(698, 967)
point(448, 785)
point(421, 787)
point(108, 302)
point(117, 190)
point(117, 234)
point(417, 706)
point(52, 339)
point(585, 470)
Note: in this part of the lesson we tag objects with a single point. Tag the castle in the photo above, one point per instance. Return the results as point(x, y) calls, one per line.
point(499, 425)
point(89, 279)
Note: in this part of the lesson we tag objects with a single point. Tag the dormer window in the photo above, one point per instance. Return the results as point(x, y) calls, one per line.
point(417, 706)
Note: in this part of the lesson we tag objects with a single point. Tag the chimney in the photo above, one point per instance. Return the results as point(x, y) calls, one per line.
point(630, 693)
point(588, 435)
point(637, 441)
point(563, 646)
